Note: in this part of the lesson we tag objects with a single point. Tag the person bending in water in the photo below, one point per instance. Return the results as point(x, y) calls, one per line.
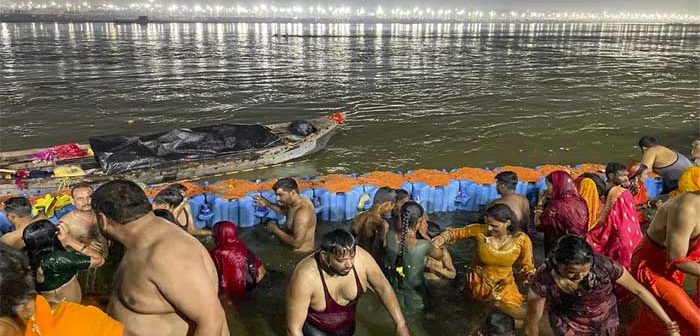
point(166, 283)
point(240, 271)
point(670, 251)
point(499, 245)
point(19, 214)
point(577, 287)
point(662, 160)
point(437, 270)
point(325, 287)
point(54, 267)
point(300, 231)
point(505, 185)
point(22, 312)
point(370, 227)
point(409, 255)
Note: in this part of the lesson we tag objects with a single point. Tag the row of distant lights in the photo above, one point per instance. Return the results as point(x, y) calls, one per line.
point(264, 10)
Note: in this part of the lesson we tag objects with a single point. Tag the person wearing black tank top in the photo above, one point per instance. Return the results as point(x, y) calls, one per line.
point(325, 287)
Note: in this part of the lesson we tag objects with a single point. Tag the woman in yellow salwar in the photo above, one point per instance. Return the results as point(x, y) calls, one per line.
point(499, 245)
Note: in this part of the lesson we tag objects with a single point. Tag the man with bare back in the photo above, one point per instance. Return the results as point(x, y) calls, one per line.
point(670, 250)
point(166, 284)
point(505, 185)
point(300, 230)
point(370, 227)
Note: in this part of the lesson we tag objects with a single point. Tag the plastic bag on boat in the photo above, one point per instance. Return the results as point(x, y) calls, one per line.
point(122, 153)
point(301, 128)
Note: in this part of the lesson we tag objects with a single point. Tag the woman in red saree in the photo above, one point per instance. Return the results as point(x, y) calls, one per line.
point(616, 232)
point(565, 213)
point(239, 269)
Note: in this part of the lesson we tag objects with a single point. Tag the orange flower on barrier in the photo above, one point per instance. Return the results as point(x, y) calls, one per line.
point(431, 177)
point(477, 175)
point(381, 179)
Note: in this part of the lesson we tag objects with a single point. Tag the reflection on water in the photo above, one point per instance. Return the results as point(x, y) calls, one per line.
point(467, 94)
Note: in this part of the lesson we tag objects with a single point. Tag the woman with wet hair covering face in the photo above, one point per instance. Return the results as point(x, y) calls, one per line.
point(577, 287)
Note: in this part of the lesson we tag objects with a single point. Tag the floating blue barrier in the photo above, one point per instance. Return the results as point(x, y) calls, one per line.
point(364, 193)
point(422, 194)
point(321, 200)
point(337, 203)
point(654, 187)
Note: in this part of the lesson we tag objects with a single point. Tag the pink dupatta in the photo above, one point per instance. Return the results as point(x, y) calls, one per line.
point(616, 233)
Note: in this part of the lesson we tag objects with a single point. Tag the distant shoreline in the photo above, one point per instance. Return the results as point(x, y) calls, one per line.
point(60, 18)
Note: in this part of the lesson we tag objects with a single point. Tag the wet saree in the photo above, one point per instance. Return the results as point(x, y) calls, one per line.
point(616, 232)
point(236, 265)
point(71, 319)
point(565, 213)
point(490, 276)
point(589, 192)
point(651, 268)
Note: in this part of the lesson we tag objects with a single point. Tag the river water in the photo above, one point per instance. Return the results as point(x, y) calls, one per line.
point(417, 95)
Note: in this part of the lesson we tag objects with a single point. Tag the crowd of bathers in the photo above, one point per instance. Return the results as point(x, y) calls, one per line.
point(606, 245)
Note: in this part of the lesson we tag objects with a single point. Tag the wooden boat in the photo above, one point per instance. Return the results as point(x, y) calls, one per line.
point(289, 147)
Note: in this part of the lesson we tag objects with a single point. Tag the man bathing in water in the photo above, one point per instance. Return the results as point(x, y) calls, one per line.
point(370, 227)
point(325, 287)
point(19, 214)
point(670, 250)
point(166, 284)
point(662, 160)
point(300, 230)
point(81, 223)
point(505, 185)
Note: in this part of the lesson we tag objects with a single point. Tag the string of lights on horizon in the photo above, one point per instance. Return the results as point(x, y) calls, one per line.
point(297, 12)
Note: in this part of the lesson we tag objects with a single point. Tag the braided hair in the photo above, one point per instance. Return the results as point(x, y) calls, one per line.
point(411, 213)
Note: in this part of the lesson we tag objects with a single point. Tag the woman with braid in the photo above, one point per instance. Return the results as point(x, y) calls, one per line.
point(409, 255)
point(499, 245)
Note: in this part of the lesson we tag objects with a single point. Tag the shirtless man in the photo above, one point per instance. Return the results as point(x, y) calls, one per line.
point(370, 227)
point(663, 161)
point(325, 287)
point(300, 231)
point(81, 223)
point(670, 250)
point(506, 182)
point(166, 284)
point(19, 214)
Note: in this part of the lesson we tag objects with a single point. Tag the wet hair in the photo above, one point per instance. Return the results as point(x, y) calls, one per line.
point(647, 142)
point(384, 194)
point(508, 179)
point(16, 281)
point(167, 215)
point(40, 237)
point(411, 213)
point(338, 242)
point(597, 180)
point(571, 250)
point(18, 206)
point(499, 323)
point(81, 185)
point(286, 184)
point(503, 213)
point(614, 167)
point(549, 177)
point(170, 196)
point(179, 187)
point(402, 194)
point(121, 201)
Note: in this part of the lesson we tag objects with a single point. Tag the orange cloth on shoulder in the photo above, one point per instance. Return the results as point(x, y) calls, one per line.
point(71, 319)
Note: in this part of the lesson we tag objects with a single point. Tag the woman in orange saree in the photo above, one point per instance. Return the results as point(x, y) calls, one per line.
point(591, 187)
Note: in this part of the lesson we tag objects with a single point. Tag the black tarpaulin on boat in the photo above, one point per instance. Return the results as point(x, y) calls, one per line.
point(122, 153)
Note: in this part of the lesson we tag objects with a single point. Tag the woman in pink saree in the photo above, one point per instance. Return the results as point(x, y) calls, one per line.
point(566, 213)
point(616, 232)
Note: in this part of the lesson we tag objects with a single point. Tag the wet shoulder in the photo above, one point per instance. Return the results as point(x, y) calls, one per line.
point(607, 267)
point(522, 238)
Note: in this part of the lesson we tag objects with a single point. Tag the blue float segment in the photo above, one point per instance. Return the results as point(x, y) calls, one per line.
point(321, 201)
point(357, 200)
point(5, 225)
point(654, 187)
point(337, 204)
point(421, 193)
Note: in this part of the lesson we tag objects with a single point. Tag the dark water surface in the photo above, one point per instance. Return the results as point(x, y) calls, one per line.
point(418, 95)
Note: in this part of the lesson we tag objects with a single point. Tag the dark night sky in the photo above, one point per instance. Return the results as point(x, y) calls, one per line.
point(677, 6)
